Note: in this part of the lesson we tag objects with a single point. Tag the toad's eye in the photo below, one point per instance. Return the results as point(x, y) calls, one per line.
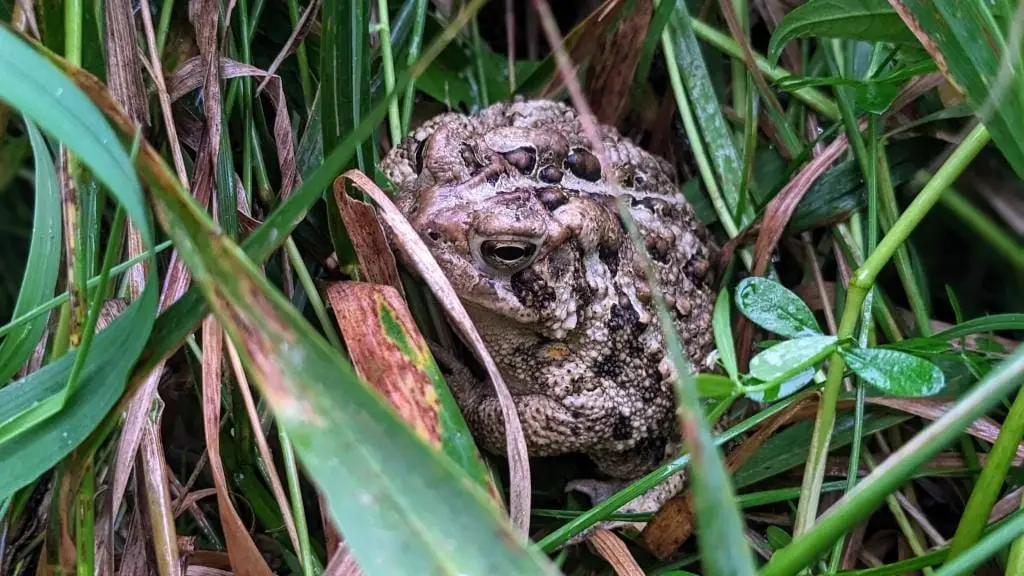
point(583, 164)
point(507, 255)
point(523, 159)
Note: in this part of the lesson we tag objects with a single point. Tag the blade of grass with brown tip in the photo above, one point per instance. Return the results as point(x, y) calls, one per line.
point(419, 256)
point(389, 353)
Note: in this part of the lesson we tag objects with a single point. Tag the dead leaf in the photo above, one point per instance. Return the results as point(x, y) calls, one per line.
point(615, 552)
point(244, 556)
point(418, 256)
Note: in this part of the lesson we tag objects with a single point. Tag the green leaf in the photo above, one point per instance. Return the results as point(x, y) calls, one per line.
point(43, 264)
point(870, 20)
point(113, 353)
point(722, 326)
point(714, 385)
point(969, 46)
point(774, 308)
point(894, 372)
point(786, 388)
point(785, 357)
point(37, 427)
point(44, 94)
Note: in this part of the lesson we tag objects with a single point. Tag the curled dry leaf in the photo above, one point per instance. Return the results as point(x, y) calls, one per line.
point(418, 255)
point(245, 557)
point(188, 77)
point(376, 262)
point(615, 552)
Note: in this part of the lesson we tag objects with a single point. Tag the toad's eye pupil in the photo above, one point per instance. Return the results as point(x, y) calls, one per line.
point(419, 156)
point(506, 254)
point(509, 253)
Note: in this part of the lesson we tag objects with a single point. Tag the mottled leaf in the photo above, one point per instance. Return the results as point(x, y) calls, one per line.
point(894, 372)
point(774, 308)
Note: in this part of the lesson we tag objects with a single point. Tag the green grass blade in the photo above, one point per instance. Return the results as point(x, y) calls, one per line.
point(870, 20)
point(37, 427)
point(50, 99)
point(43, 264)
point(969, 49)
point(113, 353)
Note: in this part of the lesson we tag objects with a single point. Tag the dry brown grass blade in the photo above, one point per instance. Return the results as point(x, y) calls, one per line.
point(245, 557)
point(419, 257)
point(175, 285)
point(297, 36)
point(580, 41)
point(24, 18)
point(124, 75)
point(376, 261)
point(673, 524)
point(776, 217)
point(261, 442)
point(157, 72)
point(617, 55)
point(748, 56)
point(189, 76)
point(134, 560)
point(162, 535)
point(69, 202)
point(615, 552)
point(379, 360)
point(983, 428)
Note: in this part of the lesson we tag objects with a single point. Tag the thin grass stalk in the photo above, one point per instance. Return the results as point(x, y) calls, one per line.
point(291, 470)
point(415, 44)
point(388, 65)
point(302, 59)
point(990, 482)
point(85, 520)
point(62, 298)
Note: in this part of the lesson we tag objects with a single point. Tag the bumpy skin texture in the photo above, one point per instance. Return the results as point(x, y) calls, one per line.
point(521, 215)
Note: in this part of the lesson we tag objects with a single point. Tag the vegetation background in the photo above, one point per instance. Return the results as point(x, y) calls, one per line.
point(192, 382)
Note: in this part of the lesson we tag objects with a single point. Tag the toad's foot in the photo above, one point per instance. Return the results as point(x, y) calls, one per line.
point(647, 503)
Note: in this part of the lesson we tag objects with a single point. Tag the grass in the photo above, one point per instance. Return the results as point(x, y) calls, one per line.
point(183, 366)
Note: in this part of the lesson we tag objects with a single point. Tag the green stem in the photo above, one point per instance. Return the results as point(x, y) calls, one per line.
point(893, 472)
point(291, 470)
point(85, 520)
point(991, 544)
point(415, 44)
point(388, 63)
point(301, 58)
point(477, 56)
point(814, 99)
point(861, 282)
point(982, 225)
point(990, 482)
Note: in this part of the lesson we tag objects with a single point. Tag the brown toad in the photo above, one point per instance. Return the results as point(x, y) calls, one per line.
point(521, 215)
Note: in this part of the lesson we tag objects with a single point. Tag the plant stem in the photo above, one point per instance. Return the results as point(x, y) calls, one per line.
point(388, 64)
point(860, 283)
point(990, 482)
